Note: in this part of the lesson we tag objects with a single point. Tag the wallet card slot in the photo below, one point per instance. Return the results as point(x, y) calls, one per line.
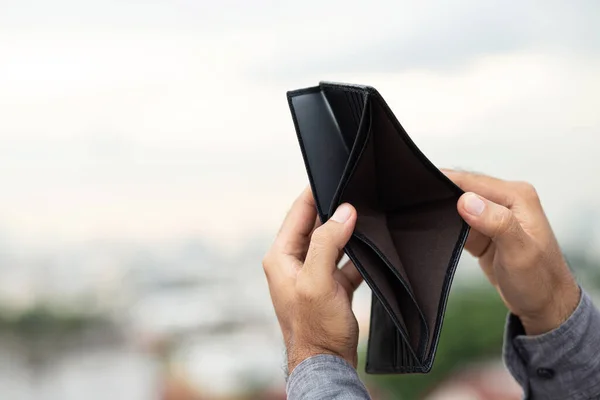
point(347, 109)
point(383, 341)
point(390, 297)
point(405, 359)
point(357, 149)
point(323, 149)
point(355, 104)
point(397, 293)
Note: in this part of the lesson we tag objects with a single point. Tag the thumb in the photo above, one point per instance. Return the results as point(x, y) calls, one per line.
point(328, 240)
point(493, 220)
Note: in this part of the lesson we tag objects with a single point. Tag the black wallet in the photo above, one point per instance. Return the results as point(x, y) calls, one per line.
point(408, 236)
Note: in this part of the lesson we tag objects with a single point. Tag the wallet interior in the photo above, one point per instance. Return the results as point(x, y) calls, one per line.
point(409, 235)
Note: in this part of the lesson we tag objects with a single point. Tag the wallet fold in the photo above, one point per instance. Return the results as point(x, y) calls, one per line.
point(408, 236)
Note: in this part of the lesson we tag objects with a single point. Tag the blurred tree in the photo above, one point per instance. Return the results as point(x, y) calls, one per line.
point(472, 331)
point(41, 322)
point(586, 268)
point(42, 333)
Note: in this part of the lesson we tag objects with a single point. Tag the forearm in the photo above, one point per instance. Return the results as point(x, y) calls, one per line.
point(562, 364)
point(325, 377)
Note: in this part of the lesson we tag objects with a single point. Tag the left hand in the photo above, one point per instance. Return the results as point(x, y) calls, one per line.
point(311, 296)
point(517, 250)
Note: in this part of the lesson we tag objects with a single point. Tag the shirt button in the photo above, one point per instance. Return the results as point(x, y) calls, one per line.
point(545, 373)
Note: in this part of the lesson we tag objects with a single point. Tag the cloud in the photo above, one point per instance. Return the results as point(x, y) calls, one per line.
point(436, 36)
point(148, 120)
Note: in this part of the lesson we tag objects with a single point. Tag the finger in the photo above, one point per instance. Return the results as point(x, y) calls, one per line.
point(318, 223)
point(497, 190)
point(482, 247)
point(495, 221)
point(301, 255)
point(327, 241)
point(280, 269)
point(477, 243)
point(487, 265)
point(353, 277)
point(339, 257)
point(294, 235)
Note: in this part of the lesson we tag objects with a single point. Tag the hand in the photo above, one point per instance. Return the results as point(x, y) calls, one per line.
point(517, 250)
point(311, 296)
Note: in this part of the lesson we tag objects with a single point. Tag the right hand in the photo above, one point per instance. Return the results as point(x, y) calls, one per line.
point(517, 250)
point(312, 297)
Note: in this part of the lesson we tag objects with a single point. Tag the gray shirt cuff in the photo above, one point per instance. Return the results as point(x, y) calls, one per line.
point(325, 377)
point(563, 364)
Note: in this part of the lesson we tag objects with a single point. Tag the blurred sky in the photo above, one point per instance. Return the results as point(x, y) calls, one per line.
point(163, 119)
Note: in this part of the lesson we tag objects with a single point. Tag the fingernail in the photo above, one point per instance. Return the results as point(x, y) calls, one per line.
point(473, 204)
point(342, 213)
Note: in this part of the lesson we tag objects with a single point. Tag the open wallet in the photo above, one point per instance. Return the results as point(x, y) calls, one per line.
point(408, 236)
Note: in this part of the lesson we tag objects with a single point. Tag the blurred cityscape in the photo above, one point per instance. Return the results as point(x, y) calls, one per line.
point(137, 315)
point(188, 323)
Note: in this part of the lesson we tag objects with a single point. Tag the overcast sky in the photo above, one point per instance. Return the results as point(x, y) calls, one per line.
point(167, 119)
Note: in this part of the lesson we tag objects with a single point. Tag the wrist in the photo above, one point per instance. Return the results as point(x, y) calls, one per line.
point(562, 306)
point(299, 352)
point(296, 355)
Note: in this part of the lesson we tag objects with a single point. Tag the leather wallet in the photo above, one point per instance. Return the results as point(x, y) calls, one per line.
point(408, 236)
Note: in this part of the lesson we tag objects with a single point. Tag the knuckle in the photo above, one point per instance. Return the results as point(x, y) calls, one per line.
point(527, 191)
point(533, 258)
point(530, 260)
point(503, 222)
point(315, 253)
point(320, 238)
point(267, 262)
point(319, 234)
point(305, 291)
point(458, 180)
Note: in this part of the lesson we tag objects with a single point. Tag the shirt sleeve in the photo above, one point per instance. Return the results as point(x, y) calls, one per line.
point(325, 377)
point(563, 364)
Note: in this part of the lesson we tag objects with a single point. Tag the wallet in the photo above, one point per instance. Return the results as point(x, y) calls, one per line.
point(408, 236)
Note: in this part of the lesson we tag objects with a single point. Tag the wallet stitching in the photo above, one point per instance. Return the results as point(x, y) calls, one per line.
point(299, 92)
point(346, 87)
